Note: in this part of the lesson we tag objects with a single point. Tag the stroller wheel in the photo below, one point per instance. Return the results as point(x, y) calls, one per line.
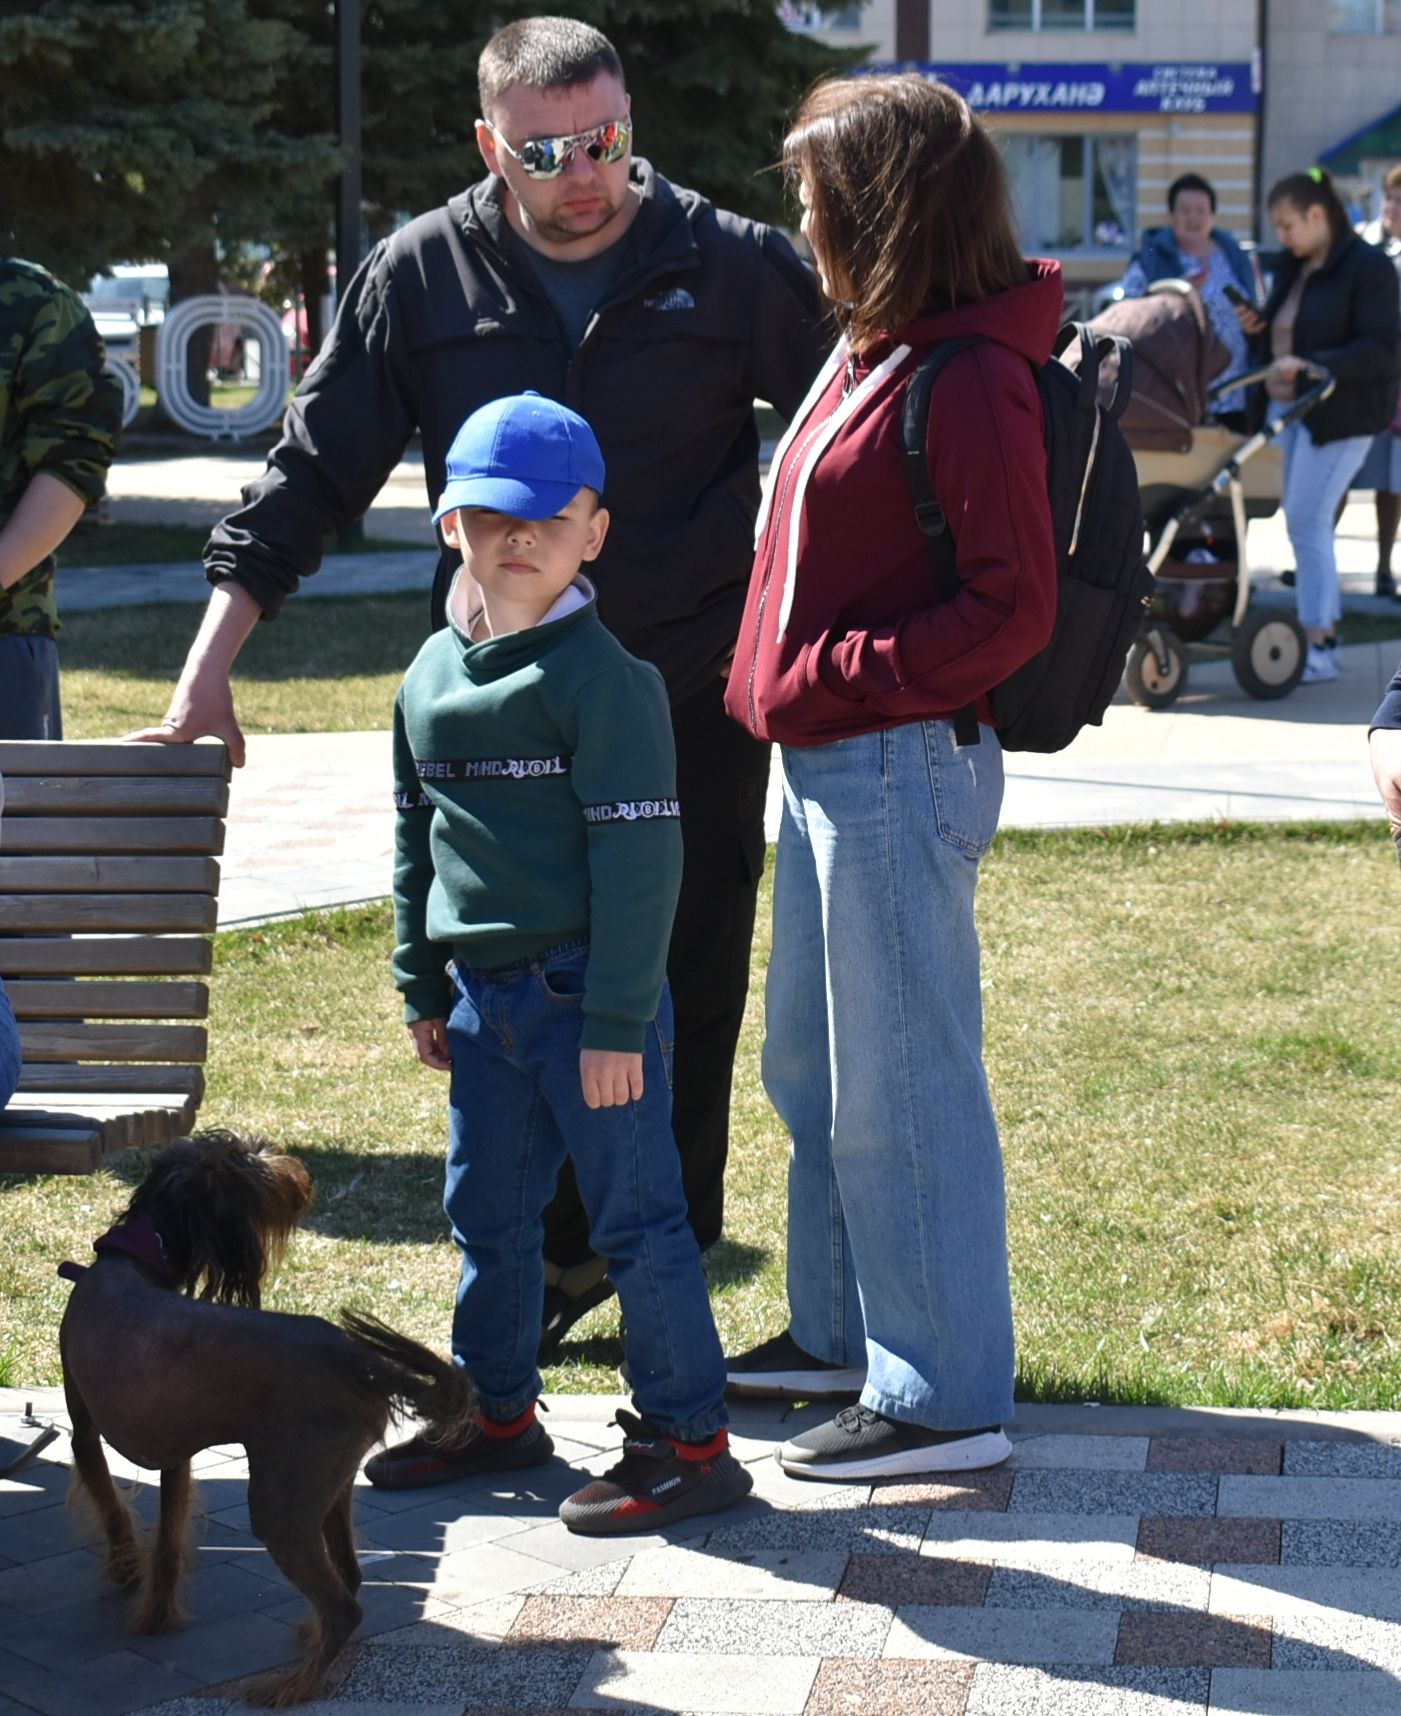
point(1156, 670)
point(1268, 652)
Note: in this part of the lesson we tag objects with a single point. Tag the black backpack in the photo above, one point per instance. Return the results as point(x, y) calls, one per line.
point(1103, 584)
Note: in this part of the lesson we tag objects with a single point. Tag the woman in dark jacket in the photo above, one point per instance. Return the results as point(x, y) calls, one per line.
point(1334, 303)
point(897, 1259)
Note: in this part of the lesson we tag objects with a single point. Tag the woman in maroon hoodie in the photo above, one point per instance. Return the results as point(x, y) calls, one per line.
point(897, 1261)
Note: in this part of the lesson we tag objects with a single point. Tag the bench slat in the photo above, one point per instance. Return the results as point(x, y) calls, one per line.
point(134, 1080)
point(160, 835)
point(26, 1149)
point(100, 875)
point(121, 1126)
point(106, 956)
point(151, 795)
point(22, 914)
point(110, 757)
point(62, 1042)
point(109, 1000)
point(93, 1106)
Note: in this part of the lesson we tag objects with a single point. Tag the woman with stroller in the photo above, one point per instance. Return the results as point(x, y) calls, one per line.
point(897, 1265)
point(1381, 469)
point(1334, 302)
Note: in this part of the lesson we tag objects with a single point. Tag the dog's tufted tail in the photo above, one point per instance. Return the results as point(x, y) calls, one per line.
point(414, 1379)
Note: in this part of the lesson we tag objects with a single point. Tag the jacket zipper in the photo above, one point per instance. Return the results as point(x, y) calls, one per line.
point(796, 453)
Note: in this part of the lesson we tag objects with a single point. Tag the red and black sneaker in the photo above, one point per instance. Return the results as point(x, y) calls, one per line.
point(491, 1447)
point(659, 1479)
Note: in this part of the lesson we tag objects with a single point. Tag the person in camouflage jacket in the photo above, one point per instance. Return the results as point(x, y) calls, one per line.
point(60, 414)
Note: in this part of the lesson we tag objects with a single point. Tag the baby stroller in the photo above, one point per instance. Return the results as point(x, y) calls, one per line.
point(1199, 484)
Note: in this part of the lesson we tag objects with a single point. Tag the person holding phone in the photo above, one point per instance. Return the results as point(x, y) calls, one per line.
point(1195, 249)
point(1334, 303)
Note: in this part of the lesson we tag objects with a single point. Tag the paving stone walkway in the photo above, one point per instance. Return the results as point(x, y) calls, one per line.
point(1123, 1563)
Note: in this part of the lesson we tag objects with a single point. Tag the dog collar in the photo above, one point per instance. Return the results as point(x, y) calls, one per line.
point(136, 1239)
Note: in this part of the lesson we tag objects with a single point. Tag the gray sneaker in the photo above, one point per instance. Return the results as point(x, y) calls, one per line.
point(779, 1369)
point(860, 1443)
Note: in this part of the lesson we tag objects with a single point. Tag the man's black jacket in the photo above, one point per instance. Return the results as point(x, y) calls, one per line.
point(710, 312)
point(1348, 321)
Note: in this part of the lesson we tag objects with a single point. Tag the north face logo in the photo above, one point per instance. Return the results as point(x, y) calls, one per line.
point(675, 298)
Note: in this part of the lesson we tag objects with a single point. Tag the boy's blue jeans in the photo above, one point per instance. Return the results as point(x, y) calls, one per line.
point(897, 1251)
point(517, 1109)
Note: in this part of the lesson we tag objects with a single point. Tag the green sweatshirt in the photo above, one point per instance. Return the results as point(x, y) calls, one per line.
point(535, 779)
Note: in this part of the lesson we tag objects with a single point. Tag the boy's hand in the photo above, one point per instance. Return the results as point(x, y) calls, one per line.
point(1384, 745)
point(430, 1038)
point(609, 1077)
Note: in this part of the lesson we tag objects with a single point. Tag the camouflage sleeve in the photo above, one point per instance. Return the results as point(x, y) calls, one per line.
point(69, 411)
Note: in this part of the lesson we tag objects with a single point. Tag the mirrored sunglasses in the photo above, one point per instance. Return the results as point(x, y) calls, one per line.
point(547, 157)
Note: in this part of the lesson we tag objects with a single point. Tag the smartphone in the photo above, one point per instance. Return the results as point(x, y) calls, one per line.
point(1236, 296)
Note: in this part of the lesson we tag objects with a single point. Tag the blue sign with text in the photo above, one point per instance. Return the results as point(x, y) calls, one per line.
point(1080, 87)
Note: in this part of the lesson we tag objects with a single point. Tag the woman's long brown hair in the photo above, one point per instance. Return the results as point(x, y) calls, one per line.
point(909, 208)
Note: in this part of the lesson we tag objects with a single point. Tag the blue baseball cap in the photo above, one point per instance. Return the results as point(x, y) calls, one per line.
point(524, 455)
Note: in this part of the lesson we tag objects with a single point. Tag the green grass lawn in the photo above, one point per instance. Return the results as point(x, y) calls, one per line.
point(1193, 1051)
point(331, 665)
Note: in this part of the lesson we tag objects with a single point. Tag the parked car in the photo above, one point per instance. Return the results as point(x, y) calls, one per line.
point(132, 296)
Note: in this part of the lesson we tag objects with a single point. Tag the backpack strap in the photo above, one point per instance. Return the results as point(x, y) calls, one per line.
point(929, 515)
point(1093, 351)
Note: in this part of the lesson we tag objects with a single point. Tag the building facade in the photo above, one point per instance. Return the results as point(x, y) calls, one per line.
point(1099, 105)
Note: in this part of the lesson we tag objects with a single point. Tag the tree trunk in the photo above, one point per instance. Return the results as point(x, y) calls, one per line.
point(193, 272)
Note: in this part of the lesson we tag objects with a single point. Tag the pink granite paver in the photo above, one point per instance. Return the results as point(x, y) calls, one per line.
point(1214, 1454)
point(1151, 1638)
point(891, 1687)
point(1207, 1541)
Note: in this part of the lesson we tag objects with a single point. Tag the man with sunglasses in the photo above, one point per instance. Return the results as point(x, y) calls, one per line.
point(578, 271)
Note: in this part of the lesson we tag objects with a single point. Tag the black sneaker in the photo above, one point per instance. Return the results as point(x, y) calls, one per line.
point(780, 1370)
point(859, 1443)
point(422, 1460)
point(569, 1295)
point(659, 1479)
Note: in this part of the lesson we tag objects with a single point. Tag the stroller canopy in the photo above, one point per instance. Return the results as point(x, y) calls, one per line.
point(1177, 354)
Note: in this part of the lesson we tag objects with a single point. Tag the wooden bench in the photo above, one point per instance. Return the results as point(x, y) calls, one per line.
point(109, 886)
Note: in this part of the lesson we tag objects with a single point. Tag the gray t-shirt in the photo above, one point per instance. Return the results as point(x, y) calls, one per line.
point(576, 289)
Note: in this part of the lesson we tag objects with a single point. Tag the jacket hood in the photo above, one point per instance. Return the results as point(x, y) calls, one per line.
point(1026, 320)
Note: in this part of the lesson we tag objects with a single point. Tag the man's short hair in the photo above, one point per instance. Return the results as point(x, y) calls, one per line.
point(1191, 182)
point(544, 53)
point(1392, 180)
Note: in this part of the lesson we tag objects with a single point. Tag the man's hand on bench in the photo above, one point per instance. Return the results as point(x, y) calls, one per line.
point(199, 711)
point(203, 705)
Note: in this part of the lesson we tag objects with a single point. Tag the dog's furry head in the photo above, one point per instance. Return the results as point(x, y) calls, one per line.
point(224, 1207)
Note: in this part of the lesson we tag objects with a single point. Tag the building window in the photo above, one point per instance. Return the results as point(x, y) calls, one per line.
point(1073, 193)
point(1364, 17)
point(1067, 14)
point(807, 18)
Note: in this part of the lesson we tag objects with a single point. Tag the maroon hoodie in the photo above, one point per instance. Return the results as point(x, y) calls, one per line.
point(843, 632)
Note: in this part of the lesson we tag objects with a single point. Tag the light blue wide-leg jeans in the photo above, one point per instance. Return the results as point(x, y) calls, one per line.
point(1315, 481)
point(897, 1251)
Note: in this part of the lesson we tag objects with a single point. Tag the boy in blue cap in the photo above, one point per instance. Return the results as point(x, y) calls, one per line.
point(538, 845)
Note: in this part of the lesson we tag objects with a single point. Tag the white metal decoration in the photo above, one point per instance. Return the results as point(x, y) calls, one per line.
point(274, 378)
point(125, 372)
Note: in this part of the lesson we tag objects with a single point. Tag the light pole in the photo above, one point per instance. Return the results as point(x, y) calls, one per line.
point(349, 218)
